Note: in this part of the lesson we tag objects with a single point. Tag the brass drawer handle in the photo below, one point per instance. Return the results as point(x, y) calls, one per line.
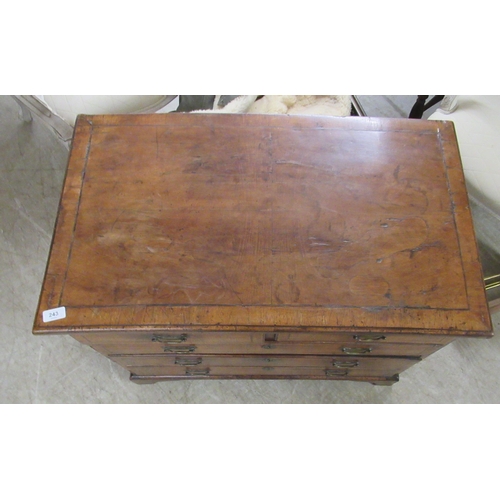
point(180, 350)
point(188, 361)
point(355, 351)
point(336, 373)
point(369, 338)
point(170, 339)
point(198, 373)
point(345, 364)
point(269, 346)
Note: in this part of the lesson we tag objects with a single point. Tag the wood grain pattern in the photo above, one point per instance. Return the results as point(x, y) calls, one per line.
point(175, 222)
point(377, 349)
point(348, 217)
point(270, 367)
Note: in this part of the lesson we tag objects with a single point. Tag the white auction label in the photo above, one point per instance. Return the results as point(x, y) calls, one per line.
point(54, 314)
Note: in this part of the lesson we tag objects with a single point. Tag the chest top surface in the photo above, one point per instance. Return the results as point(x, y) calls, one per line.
point(213, 221)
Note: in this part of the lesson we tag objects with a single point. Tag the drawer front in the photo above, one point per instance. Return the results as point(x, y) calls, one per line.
point(233, 337)
point(273, 348)
point(316, 367)
point(148, 360)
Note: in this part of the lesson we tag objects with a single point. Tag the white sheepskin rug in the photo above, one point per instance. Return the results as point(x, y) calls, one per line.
point(330, 105)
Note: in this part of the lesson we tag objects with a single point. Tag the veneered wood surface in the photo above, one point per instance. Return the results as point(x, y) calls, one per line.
point(233, 337)
point(391, 366)
point(157, 373)
point(278, 348)
point(173, 221)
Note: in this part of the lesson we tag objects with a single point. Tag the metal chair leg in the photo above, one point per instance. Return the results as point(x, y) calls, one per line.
point(25, 112)
point(357, 106)
point(491, 282)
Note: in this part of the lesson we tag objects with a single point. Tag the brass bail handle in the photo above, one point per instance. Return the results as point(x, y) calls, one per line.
point(345, 364)
point(198, 373)
point(336, 373)
point(356, 350)
point(188, 361)
point(169, 339)
point(369, 337)
point(180, 349)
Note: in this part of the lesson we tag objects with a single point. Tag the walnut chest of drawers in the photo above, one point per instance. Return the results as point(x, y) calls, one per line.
point(261, 246)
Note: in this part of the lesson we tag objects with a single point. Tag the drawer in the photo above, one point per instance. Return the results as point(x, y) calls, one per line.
point(238, 337)
point(297, 348)
point(367, 363)
point(300, 367)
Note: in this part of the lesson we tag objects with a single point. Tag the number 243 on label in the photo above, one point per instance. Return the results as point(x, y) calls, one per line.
point(54, 314)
